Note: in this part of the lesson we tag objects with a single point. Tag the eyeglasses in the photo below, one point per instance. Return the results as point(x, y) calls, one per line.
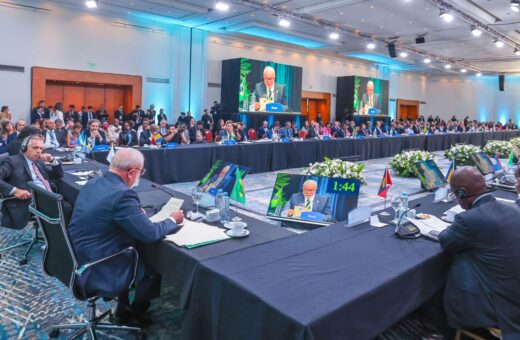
point(143, 170)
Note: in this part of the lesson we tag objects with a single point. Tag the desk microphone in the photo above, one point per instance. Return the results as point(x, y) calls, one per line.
point(405, 231)
point(98, 172)
point(155, 186)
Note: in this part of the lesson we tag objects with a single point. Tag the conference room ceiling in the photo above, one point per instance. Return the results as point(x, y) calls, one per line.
point(399, 20)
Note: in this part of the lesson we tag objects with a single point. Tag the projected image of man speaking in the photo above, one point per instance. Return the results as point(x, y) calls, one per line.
point(268, 91)
point(370, 99)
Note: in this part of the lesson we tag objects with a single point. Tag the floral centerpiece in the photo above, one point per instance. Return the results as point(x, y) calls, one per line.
point(501, 147)
point(461, 153)
point(336, 168)
point(404, 163)
point(515, 142)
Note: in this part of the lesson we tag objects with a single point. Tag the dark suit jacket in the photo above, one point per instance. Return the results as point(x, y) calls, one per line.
point(84, 118)
point(278, 95)
point(61, 136)
point(144, 137)
point(483, 284)
point(107, 218)
point(261, 132)
point(12, 137)
point(99, 140)
point(15, 172)
point(375, 103)
point(124, 139)
point(71, 115)
point(120, 115)
point(35, 116)
point(312, 133)
point(319, 204)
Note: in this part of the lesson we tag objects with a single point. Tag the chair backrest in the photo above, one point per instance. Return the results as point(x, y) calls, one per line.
point(209, 136)
point(251, 134)
point(303, 134)
point(59, 259)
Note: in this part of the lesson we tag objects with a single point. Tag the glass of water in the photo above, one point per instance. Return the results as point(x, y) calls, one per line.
point(196, 195)
point(395, 201)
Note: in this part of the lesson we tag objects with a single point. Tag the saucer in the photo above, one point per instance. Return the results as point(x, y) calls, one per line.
point(244, 234)
point(227, 225)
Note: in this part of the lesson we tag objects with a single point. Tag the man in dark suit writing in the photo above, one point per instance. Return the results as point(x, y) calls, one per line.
point(308, 200)
point(108, 218)
point(17, 171)
point(482, 287)
point(269, 90)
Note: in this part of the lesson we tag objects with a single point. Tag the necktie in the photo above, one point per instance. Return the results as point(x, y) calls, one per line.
point(307, 203)
point(270, 96)
point(40, 177)
point(53, 137)
point(129, 137)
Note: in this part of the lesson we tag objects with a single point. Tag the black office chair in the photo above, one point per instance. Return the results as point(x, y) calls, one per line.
point(59, 261)
point(32, 242)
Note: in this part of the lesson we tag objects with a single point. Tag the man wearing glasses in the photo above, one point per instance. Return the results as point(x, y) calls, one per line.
point(108, 218)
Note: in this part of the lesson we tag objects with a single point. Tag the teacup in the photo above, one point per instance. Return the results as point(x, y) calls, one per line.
point(237, 228)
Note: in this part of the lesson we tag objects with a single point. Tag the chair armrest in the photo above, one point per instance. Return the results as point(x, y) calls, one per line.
point(128, 250)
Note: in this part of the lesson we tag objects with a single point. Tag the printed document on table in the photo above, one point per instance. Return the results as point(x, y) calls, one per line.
point(196, 233)
point(430, 224)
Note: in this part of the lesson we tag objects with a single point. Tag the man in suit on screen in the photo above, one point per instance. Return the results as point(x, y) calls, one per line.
point(269, 90)
point(370, 99)
point(308, 200)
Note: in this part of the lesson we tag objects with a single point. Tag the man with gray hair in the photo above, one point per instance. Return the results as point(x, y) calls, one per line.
point(18, 127)
point(108, 218)
point(269, 90)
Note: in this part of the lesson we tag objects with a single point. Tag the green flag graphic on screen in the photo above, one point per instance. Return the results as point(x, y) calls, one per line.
point(238, 194)
point(511, 162)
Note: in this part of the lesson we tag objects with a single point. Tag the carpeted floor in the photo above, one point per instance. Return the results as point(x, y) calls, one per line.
point(30, 302)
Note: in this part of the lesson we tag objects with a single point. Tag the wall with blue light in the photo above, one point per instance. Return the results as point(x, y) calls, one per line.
point(478, 98)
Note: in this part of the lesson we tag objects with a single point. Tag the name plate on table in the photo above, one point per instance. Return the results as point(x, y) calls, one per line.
point(171, 145)
point(100, 148)
point(358, 216)
point(312, 216)
point(373, 111)
point(230, 142)
point(326, 137)
point(381, 136)
point(274, 107)
point(285, 140)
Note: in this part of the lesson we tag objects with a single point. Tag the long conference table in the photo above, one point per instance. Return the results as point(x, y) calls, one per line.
point(329, 283)
point(191, 162)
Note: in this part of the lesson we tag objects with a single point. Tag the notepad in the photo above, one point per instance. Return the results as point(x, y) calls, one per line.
point(196, 234)
point(174, 204)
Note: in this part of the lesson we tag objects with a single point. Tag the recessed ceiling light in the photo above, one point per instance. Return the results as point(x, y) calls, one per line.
point(284, 22)
point(403, 54)
point(445, 15)
point(475, 31)
point(427, 60)
point(463, 70)
point(515, 5)
point(91, 3)
point(479, 74)
point(498, 43)
point(371, 45)
point(334, 35)
point(222, 6)
point(447, 66)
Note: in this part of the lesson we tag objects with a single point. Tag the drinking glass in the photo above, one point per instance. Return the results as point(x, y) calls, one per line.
point(395, 201)
point(196, 195)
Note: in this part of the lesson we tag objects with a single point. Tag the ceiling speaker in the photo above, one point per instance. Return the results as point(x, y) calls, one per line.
point(420, 40)
point(391, 50)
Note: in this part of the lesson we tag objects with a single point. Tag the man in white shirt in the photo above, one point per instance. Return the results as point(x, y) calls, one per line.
point(113, 131)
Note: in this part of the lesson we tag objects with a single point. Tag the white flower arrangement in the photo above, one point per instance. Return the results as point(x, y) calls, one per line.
point(515, 142)
point(501, 147)
point(461, 153)
point(336, 168)
point(404, 163)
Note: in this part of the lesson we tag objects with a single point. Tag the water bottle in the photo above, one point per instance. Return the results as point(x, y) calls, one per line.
point(218, 202)
point(253, 101)
point(403, 206)
point(224, 211)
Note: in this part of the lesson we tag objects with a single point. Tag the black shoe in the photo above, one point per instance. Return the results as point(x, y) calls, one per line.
point(126, 317)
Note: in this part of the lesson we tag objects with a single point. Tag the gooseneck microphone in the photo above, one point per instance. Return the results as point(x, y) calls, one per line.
point(403, 215)
point(155, 186)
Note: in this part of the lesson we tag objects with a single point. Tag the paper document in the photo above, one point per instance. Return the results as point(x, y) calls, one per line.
point(455, 210)
point(172, 205)
point(81, 182)
point(80, 173)
point(430, 224)
point(193, 234)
